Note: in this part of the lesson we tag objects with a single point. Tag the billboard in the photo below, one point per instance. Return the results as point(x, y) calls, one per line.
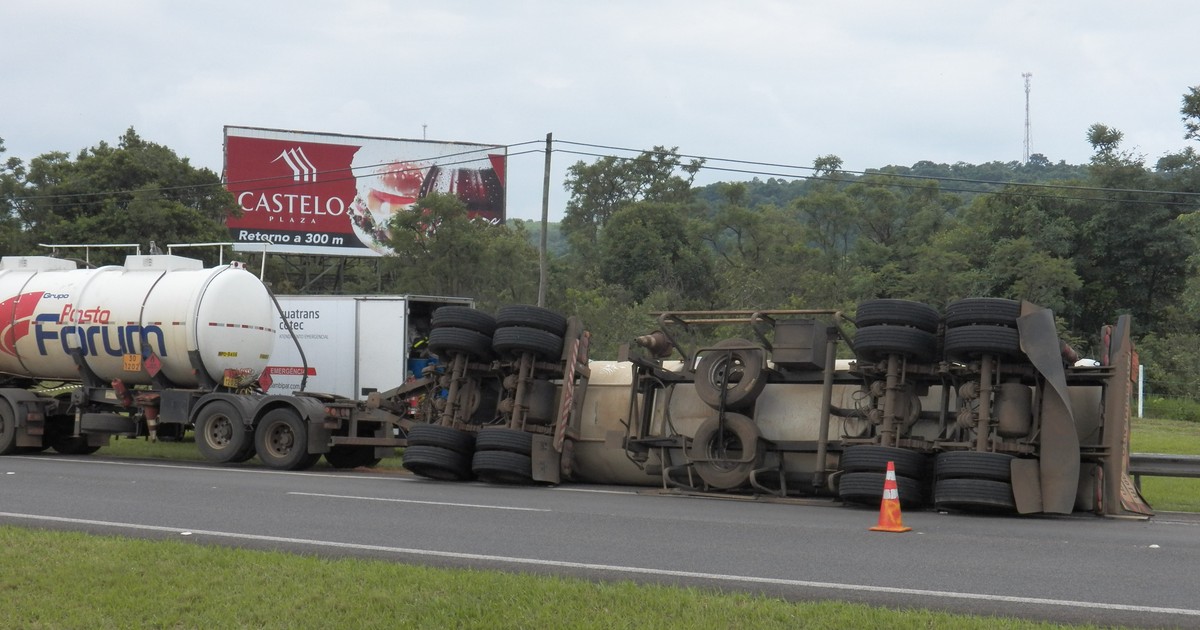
point(331, 194)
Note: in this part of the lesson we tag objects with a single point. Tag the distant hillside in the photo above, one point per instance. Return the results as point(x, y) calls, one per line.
point(968, 179)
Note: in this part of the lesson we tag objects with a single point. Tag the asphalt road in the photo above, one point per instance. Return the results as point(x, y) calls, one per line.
point(1077, 569)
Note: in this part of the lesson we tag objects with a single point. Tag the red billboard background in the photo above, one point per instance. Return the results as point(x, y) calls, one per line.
point(328, 194)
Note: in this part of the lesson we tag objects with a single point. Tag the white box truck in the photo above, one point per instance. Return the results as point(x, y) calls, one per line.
point(348, 345)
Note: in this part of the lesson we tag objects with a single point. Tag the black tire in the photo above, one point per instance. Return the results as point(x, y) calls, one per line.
point(501, 439)
point(711, 443)
point(68, 445)
point(997, 311)
point(447, 342)
point(221, 435)
point(872, 458)
point(512, 341)
point(347, 456)
point(502, 467)
point(974, 465)
point(437, 463)
point(743, 368)
point(281, 441)
point(889, 312)
point(8, 429)
point(875, 343)
point(463, 317)
point(968, 342)
point(974, 495)
point(867, 488)
point(439, 436)
point(531, 317)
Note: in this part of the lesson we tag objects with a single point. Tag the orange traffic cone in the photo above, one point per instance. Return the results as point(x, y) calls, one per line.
point(889, 509)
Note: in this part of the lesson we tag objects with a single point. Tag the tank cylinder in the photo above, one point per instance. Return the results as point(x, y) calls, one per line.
point(163, 317)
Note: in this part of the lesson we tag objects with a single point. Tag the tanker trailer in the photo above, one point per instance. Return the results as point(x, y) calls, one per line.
point(982, 410)
point(158, 344)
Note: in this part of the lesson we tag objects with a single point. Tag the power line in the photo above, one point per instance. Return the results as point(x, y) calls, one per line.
point(937, 178)
point(1003, 191)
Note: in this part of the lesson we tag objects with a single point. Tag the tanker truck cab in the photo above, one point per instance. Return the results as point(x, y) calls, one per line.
point(129, 350)
point(161, 343)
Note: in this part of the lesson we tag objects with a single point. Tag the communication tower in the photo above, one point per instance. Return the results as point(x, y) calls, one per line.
point(1027, 75)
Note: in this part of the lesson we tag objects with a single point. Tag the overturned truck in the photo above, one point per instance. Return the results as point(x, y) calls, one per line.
point(981, 408)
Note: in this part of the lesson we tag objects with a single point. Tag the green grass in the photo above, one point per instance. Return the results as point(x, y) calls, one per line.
point(1173, 437)
point(69, 580)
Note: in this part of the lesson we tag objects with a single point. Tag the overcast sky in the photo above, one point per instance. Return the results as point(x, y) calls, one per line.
point(875, 82)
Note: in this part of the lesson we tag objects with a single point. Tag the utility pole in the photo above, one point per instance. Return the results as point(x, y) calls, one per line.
point(1027, 75)
point(543, 272)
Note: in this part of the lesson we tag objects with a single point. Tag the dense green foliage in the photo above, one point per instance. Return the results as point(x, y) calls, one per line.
point(1090, 241)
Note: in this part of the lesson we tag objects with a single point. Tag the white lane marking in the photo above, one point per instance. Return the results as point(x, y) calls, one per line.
point(466, 505)
point(716, 577)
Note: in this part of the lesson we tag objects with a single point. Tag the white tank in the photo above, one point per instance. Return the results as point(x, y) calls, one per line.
point(125, 320)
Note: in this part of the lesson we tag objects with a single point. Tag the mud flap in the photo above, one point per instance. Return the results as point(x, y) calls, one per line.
point(546, 461)
point(1120, 494)
point(1059, 453)
point(1027, 486)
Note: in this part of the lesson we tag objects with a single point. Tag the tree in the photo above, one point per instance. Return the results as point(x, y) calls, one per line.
point(12, 172)
point(1191, 113)
point(755, 250)
point(601, 189)
point(134, 192)
point(649, 245)
point(895, 218)
point(439, 250)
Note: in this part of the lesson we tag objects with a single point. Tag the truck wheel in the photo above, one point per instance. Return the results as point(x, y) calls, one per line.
point(502, 467)
point(867, 488)
point(342, 456)
point(463, 317)
point(723, 448)
point(889, 312)
point(501, 439)
point(439, 436)
point(871, 458)
point(436, 463)
point(974, 495)
point(531, 317)
point(966, 342)
point(8, 429)
point(997, 311)
point(974, 465)
point(281, 441)
point(514, 340)
point(742, 368)
point(221, 436)
point(446, 342)
point(874, 343)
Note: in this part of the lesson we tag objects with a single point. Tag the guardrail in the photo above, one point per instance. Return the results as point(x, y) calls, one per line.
point(1161, 465)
